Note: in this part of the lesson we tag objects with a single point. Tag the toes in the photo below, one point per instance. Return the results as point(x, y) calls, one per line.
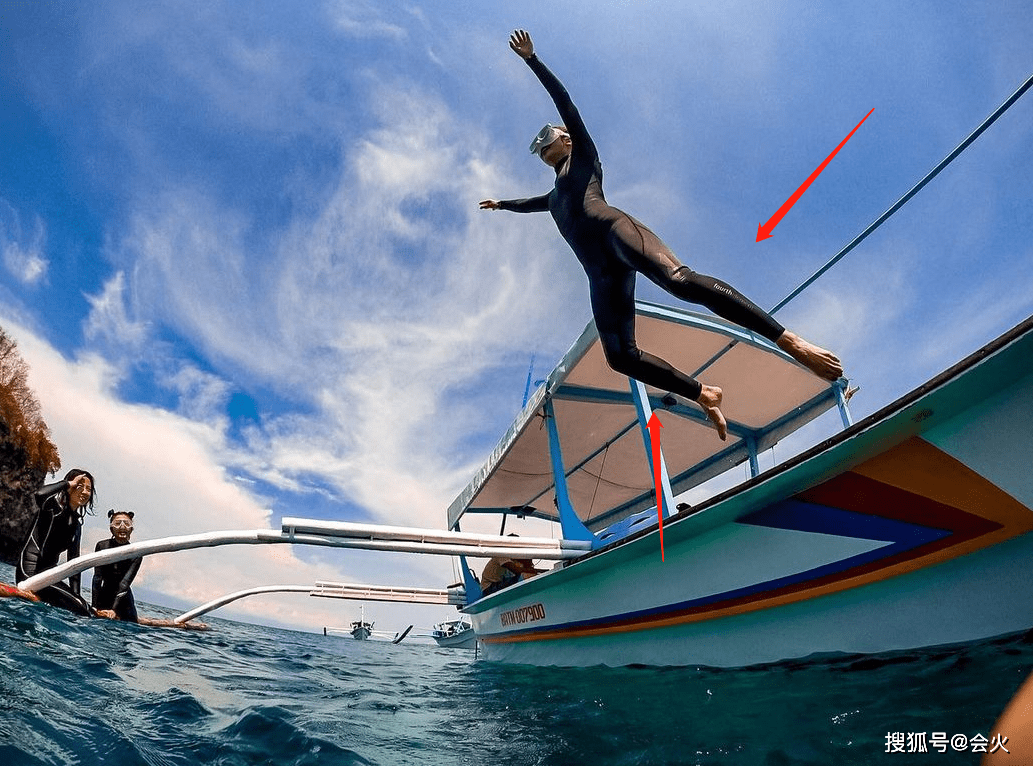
point(718, 419)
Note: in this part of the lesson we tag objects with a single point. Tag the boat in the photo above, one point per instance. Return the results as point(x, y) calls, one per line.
point(360, 629)
point(911, 528)
point(908, 529)
point(454, 634)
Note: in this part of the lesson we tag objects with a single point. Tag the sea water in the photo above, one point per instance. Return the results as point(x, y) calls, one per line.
point(79, 691)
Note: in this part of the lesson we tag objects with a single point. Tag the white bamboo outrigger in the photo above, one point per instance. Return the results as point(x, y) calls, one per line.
point(330, 534)
point(352, 591)
point(231, 597)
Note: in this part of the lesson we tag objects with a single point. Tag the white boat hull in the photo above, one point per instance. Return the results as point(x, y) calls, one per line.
point(465, 640)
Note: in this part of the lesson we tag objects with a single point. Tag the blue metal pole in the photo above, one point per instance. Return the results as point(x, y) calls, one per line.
point(644, 410)
point(573, 528)
point(751, 444)
point(844, 411)
point(473, 586)
point(527, 385)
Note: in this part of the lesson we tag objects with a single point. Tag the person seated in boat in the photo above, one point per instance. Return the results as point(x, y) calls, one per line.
point(613, 248)
point(57, 529)
point(501, 572)
point(112, 596)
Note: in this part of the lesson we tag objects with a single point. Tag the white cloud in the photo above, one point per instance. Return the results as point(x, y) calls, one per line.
point(398, 294)
point(108, 320)
point(363, 20)
point(168, 469)
point(23, 252)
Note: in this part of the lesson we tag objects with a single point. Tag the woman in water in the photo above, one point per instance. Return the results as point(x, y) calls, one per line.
point(57, 529)
point(112, 596)
point(613, 247)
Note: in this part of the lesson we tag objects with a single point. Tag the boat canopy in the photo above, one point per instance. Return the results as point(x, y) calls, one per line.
point(601, 436)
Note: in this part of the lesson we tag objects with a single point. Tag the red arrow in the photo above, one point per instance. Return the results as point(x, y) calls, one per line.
point(655, 425)
point(764, 230)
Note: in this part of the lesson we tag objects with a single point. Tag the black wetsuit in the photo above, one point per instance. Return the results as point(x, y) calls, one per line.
point(612, 246)
point(111, 584)
point(56, 530)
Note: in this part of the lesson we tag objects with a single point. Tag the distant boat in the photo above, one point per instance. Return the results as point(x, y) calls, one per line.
point(455, 634)
point(360, 629)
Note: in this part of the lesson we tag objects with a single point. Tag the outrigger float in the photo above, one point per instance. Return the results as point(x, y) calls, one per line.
point(911, 528)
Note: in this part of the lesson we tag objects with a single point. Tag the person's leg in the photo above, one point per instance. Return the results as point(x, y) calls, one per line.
point(613, 306)
point(60, 595)
point(642, 250)
point(645, 252)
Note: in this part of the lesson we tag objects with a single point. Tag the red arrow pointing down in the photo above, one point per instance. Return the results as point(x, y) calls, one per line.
point(764, 230)
point(655, 425)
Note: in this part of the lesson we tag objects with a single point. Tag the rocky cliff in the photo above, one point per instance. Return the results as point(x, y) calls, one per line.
point(18, 481)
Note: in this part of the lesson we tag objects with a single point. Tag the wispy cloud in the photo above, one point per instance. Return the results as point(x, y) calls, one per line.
point(357, 18)
point(23, 251)
point(109, 322)
point(387, 315)
point(170, 469)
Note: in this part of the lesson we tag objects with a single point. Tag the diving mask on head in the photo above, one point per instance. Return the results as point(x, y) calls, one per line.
point(546, 136)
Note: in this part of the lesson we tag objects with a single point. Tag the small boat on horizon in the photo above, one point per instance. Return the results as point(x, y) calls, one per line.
point(455, 634)
point(360, 629)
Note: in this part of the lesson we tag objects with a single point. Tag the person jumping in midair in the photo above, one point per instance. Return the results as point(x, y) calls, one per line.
point(613, 247)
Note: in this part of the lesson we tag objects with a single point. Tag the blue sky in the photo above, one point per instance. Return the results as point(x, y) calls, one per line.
point(241, 249)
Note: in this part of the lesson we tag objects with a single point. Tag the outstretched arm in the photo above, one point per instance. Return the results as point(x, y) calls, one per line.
point(527, 205)
point(520, 42)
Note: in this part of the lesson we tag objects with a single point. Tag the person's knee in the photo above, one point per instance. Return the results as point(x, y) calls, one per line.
point(623, 358)
point(684, 282)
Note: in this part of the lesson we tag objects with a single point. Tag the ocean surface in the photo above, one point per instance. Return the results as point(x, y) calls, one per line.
point(78, 691)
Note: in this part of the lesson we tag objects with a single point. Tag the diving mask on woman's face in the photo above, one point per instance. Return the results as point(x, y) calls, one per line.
point(546, 136)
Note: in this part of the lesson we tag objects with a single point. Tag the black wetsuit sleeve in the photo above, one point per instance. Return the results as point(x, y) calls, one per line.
point(569, 114)
point(50, 489)
point(527, 205)
point(126, 581)
point(75, 581)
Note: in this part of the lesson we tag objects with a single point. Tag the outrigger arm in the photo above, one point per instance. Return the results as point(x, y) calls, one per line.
point(353, 591)
point(332, 534)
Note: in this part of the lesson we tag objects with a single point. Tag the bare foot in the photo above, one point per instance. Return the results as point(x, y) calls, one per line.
point(710, 401)
point(822, 363)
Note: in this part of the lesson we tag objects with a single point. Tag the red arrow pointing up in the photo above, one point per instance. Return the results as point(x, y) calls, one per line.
point(655, 425)
point(764, 230)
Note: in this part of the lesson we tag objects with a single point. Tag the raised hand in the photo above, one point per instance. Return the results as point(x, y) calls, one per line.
point(521, 44)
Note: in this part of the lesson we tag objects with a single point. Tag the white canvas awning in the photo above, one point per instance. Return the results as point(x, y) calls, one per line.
point(766, 396)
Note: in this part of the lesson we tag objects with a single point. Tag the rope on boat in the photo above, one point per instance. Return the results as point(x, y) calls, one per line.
point(893, 209)
point(913, 191)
